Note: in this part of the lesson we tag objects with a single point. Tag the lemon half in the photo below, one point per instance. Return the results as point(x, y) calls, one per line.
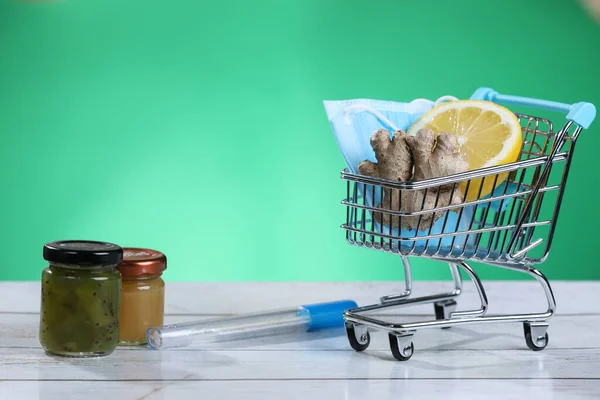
point(488, 135)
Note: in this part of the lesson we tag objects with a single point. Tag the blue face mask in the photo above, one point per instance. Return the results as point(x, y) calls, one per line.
point(353, 122)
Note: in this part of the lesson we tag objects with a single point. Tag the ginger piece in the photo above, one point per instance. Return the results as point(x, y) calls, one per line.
point(432, 158)
point(435, 157)
point(394, 160)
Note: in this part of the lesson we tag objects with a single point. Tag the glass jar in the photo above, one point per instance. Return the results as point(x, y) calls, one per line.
point(81, 289)
point(142, 294)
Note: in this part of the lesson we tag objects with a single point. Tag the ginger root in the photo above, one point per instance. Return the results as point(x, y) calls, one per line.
point(394, 160)
point(431, 157)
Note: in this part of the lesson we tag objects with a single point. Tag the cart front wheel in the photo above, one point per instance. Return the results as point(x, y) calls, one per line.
point(358, 337)
point(536, 337)
point(401, 350)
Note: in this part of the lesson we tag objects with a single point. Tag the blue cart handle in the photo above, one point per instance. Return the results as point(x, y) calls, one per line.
point(582, 114)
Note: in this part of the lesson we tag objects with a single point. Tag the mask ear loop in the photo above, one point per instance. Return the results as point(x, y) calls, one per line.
point(437, 102)
point(444, 99)
point(361, 107)
point(426, 101)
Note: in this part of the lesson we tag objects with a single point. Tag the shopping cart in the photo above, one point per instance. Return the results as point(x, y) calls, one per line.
point(511, 228)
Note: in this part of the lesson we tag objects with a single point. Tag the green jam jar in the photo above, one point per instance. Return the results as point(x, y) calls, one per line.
point(81, 291)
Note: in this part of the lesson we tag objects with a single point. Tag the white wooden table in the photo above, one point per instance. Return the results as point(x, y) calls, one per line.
point(479, 362)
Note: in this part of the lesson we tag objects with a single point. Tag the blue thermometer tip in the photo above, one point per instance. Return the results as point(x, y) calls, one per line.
point(328, 315)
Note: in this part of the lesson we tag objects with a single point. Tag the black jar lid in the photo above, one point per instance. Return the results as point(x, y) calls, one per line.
point(84, 253)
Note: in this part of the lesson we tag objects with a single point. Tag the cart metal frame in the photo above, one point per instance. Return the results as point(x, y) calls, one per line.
point(505, 229)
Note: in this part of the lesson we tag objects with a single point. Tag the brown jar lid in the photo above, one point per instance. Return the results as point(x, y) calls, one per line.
point(138, 261)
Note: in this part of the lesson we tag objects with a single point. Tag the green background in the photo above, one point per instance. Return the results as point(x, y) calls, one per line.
point(197, 128)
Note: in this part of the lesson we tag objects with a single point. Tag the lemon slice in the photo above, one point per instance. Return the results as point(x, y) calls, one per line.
point(488, 135)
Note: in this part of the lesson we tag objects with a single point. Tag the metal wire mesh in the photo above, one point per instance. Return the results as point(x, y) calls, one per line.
point(484, 227)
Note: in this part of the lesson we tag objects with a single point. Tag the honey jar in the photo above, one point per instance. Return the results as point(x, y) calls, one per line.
point(142, 294)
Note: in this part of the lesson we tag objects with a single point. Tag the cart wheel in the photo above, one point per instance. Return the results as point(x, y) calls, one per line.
point(401, 352)
point(443, 309)
point(359, 338)
point(536, 337)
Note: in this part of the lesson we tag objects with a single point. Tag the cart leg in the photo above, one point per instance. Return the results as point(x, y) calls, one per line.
point(403, 298)
point(543, 281)
point(444, 309)
point(535, 333)
point(546, 286)
point(480, 291)
point(447, 309)
point(407, 284)
point(443, 301)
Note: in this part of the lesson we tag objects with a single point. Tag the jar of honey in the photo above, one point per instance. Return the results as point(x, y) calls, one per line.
point(142, 294)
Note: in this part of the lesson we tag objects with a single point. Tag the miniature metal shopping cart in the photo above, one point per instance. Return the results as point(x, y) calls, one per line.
point(511, 228)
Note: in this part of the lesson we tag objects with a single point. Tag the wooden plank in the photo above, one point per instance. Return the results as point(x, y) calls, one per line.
point(311, 389)
point(240, 297)
point(566, 332)
point(33, 364)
